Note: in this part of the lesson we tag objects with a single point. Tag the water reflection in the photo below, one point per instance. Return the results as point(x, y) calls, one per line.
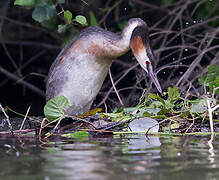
point(130, 157)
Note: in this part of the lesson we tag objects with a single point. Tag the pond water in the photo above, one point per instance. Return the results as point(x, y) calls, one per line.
point(130, 157)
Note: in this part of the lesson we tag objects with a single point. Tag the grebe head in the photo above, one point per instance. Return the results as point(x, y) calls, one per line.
point(141, 48)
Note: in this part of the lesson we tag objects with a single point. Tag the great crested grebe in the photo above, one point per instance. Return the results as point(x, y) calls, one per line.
point(81, 67)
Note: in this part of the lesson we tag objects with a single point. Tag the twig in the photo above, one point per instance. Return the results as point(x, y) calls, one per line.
point(105, 105)
point(125, 73)
point(24, 131)
point(211, 147)
point(210, 114)
point(155, 125)
point(110, 74)
point(41, 128)
point(24, 118)
point(54, 129)
point(190, 126)
point(25, 83)
point(7, 118)
point(109, 11)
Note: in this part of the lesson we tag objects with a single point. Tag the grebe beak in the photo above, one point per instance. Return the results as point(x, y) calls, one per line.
point(144, 56)
point(153, 76)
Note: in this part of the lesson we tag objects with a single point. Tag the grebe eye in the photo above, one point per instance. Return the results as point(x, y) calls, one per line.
point(147, 62)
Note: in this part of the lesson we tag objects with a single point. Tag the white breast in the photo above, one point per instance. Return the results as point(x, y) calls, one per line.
point(85, 78)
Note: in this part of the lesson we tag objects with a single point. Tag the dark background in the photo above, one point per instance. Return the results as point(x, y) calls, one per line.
point(184, 38)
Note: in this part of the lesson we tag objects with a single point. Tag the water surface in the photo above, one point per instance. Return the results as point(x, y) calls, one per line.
point(131, 157)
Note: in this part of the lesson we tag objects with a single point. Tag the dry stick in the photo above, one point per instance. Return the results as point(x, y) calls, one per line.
point(173, 23)
point(152, 6)
point(211, 147)
point(30, 43)
point(198, 59)
point(176, 46)
point(154, 126)
point(120, 76)
point(25, 83)
point(114, 87)
point(210, 114)
point(25, 64)
point(183, 30)
point(54, 129)
point(181, 50)
point(172, 12)
point(193, 122)
point(7, 118)
point(194, 64)
point(204, 70)
point(24, 118)
point(17, 131)
point(109, 11)
point(125, 73)
point(200, 23)
point(6, 49)
point(105, 107)
point(197, 6)
point(28, 25)
point(214, 91)
point(192, 87)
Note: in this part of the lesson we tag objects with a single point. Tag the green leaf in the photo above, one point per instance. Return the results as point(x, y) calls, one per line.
point(211, 87)
point(42, 13)
point(131, 109)
point(173, 94)
point(202, 79)
point(217, 85)
point(79, 134)
point(81, 20)
point(113, 115)
point(92, 112)
point(212, 72)
point(62, 28)
point(54, 108)
point(24, 2)
point(210, 76)
point(159, 117)
point(169, 104)
point(153, 96)
point(199, 108)
point(61, 1)
point(68, 16)
point(156, 97)
point(153, 111)
point(93, 20)
point(155, 104)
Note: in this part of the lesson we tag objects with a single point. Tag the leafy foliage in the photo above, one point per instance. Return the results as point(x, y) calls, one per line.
point(93, 20)
point(45, 11)
point(173, 94)
point(81, 20)
point(24, 2)
point(78, 134)
point(211, 78)
point(54, 108)
point(68, 16)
